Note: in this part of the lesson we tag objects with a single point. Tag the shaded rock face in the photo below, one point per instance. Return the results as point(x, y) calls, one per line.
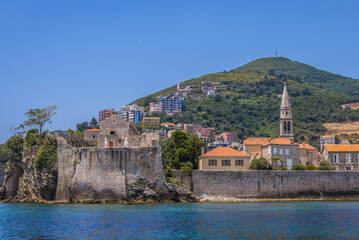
point(24, 183)
point(2, 172)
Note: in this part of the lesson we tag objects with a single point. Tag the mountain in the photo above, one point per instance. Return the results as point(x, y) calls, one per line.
point(247, 100)
point(280, 65)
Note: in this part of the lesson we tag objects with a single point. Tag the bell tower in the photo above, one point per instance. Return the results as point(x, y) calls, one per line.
point(286, 119)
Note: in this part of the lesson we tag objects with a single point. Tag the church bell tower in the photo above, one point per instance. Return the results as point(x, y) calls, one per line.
point(286, 119)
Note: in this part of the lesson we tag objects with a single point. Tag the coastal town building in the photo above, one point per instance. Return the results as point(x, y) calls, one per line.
point(191, 127)
point(91, 135)
point(151, 122)
point(103, 114)
point(132, 113)
point(255, 155)
point(254, 144)
point(343, 157)
point(228, 136)
point(208, 132)
point(180, 86)
point(308, 155)
point(170, 126)
point(284, 149)
point(326, 140)
point(155, 107)
point(224, 158)
point(171, 103)
point(183, 92)
point(286, 119)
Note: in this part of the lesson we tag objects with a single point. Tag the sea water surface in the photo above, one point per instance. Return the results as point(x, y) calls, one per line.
point(241, 220)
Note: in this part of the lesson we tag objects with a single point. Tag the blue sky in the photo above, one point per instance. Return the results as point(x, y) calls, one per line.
point(85, 56)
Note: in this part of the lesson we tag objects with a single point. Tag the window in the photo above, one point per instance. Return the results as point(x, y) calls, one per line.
point(112, 132)
point(93, 136)
point(349, 168)
point(347, 158)
point(212, 162)
point(287, 152)
point(226, 163)
point(113, 121)
point(281, 151)
point(239, 162)
point(335, 158)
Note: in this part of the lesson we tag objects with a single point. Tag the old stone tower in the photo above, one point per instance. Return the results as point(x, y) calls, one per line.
point(286, 119)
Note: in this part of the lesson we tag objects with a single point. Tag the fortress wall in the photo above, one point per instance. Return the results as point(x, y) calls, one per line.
point(271, 184)
point(96, 174)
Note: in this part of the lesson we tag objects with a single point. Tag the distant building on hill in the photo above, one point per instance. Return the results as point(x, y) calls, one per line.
point(191, 127)
point(155, 107)
point(171, 103)
point(151, 122)
point(180, 86)
point(326, 140)
point(171, 126)
point(208, 132)
point(103, 114)
point(228, 136)
point(132, 113)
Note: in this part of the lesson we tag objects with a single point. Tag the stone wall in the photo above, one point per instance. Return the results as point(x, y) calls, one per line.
point(225, 185)
point(108, 174)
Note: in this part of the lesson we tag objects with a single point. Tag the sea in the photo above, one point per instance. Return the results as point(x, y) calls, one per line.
point(237, 220)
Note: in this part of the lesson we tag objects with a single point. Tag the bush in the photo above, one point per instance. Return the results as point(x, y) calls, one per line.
point(31, 138)
point(298, 167)
point(312, 168)
point(12, 150)
point(186, 167)
point(46, 159)
point(326, 165)
point(260, 164)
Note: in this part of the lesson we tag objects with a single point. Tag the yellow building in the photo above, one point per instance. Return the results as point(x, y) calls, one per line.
point(151, 121)
point(308, 155)
point(224, 158)
point(251, 145)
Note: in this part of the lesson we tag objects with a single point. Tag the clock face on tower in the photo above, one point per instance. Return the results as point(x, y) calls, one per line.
point(275, 150)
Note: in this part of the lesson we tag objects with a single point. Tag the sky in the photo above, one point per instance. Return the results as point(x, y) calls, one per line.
point(84, 56)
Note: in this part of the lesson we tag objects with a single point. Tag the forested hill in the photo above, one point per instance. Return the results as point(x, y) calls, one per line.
point(247, 100)
point(280, 65)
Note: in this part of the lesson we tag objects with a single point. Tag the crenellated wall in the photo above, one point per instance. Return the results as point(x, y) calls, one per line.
point(226, 185)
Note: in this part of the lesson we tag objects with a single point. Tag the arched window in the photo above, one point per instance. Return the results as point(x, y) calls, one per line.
point(284, 126)
point(288, 126)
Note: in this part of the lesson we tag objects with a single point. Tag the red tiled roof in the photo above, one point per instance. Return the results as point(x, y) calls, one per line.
point(224, 152)
point(256, 141)
point(92, 130)
point(306, 146)
point(342, 148)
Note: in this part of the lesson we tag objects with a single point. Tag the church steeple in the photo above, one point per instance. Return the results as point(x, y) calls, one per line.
point(286, 119)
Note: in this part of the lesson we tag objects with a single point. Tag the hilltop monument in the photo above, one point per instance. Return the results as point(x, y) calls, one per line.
point(286, 118)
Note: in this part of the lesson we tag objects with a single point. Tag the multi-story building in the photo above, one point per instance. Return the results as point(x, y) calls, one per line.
point(103, 114)
point(151, 122)
point(155, 107)
point(343, 157)
point(191, 127)
point(171, 126)
point(208, 132)
point(180, 86)
point(228, 136)
point(326, 140)
point(171, 103)
point(308, 155)
point(254, 144)
point(132, 113)
point(281, 148)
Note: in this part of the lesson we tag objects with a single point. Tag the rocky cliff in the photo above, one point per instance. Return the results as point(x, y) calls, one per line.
point(2, 173)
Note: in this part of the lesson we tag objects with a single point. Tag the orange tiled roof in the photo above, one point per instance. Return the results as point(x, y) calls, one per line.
point(92, 130)
point(224, 152)
point(280, 141)
point(170, 124)
point(306, 146)
point(256, 141)
point(342, 148)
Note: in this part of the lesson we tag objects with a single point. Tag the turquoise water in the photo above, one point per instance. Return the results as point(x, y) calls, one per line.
point(249, 220)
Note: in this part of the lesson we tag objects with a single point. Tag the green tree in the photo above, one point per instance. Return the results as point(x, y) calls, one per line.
point(12, 150)
point(326, 165)
point(38, 118)
point(93, 122)
point(46, 158)
point(260, 164)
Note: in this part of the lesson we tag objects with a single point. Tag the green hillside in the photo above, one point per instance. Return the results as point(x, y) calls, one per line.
point(280, 65)
point(247, 102)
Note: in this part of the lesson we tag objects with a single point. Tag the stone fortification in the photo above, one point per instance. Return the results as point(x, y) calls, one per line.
point(231, 185)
